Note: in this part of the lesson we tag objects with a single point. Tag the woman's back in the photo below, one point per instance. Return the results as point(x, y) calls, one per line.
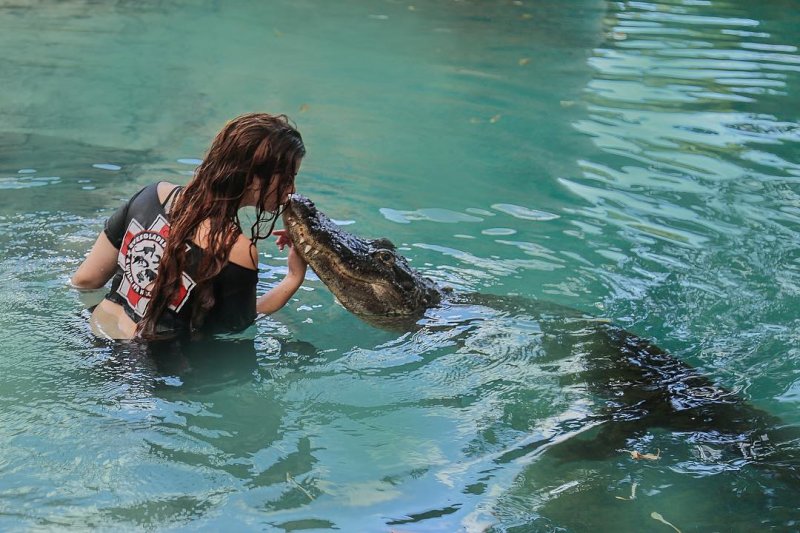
point(139, 230)
point(178, 257)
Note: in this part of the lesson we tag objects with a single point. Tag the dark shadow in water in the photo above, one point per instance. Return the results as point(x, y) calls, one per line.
point(35, 167)
point(207, 364)
point(240, 417)
point(426, 515)
point(640, 386)
point(196, 367)
point(715, 447)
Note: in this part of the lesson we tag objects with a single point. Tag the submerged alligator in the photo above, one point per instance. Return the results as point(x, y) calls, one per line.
point(638, 386)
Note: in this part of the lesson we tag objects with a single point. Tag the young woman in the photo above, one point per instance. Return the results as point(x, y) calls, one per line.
point(191, 237)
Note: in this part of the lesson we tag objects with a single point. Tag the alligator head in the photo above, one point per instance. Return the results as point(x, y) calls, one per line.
point(368, 277)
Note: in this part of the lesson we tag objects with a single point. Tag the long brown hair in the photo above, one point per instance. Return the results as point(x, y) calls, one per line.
point(251, 147)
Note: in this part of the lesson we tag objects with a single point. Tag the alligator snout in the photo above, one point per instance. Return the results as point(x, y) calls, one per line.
point(300, 201)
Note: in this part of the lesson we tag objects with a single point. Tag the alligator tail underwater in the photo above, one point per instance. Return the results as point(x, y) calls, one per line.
point(643, 387)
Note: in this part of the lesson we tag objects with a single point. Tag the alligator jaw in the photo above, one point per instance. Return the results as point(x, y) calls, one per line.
point(368, 277)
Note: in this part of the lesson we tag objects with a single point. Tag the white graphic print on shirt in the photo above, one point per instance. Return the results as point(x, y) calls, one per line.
point(139, 257)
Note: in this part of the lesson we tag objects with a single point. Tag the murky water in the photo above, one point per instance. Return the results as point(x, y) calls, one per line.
point(636, 161)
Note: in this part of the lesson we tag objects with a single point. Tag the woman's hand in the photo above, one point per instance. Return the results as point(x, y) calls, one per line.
point(297, 265)
point(282, 239)
point(283, 291)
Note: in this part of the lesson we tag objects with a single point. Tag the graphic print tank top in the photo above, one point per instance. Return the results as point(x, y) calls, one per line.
point(139, 229)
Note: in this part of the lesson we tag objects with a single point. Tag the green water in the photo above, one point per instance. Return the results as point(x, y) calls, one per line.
point(634, 160)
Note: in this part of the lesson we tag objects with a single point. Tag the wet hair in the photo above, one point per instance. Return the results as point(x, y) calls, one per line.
point(250, 148)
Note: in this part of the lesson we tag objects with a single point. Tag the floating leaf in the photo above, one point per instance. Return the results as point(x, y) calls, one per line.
point(304, 108)
point(524, 61)
point(656, 516)
point(495, 118)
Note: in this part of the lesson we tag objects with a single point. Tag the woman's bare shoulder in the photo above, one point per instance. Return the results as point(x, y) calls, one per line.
point(244, 253)
point(164, 188)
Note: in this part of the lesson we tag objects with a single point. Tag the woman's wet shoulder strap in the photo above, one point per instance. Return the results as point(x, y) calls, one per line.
point(171, 195)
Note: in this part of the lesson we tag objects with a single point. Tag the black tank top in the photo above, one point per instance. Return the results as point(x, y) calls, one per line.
point(139, 229)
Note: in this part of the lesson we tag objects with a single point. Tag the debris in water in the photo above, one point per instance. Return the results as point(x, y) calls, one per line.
point(633, 493)
point(495, 118)
point(299, 486)
point(524, 61)
point(707, 453)
point(656, 516)
point(637, 456)
point(304, 108)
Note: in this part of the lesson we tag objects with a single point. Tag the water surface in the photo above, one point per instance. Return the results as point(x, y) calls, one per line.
point(632, 160)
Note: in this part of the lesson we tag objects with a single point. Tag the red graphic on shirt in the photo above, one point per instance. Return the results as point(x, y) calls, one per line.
point(139, 257)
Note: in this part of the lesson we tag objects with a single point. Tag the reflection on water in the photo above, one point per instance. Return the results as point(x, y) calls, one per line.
point(635, 159)
point(695, 173)
point(524, 416)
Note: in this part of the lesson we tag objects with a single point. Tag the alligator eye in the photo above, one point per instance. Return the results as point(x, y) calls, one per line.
point(384, 257)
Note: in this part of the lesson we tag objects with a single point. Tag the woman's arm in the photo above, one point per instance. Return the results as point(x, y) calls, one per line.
point(277, 297)
point(99, 265)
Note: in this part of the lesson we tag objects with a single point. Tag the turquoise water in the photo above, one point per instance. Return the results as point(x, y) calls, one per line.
point(633, 160)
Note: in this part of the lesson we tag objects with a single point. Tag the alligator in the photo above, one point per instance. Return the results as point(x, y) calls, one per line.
point(368, 277)
point(640, 386)
point(375, 282)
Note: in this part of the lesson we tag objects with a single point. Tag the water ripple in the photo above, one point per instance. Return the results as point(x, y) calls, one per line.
point(434, 214)
point(677, 213)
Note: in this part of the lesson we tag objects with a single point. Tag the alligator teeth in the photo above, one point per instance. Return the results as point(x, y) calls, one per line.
point(302, 241)
point(307, 248)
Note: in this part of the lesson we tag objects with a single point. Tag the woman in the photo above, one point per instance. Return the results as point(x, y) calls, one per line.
point(192, 237)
